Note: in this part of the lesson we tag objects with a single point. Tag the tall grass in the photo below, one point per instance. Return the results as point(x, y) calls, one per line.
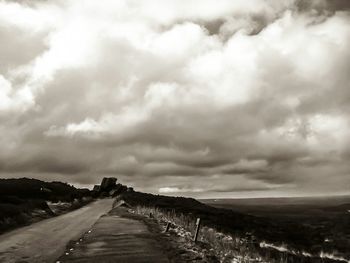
point(229, 248)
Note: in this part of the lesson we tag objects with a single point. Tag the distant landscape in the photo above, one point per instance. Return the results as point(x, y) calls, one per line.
point(259, 230)
point(321, 223)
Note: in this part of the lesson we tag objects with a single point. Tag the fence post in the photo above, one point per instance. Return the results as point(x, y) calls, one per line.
point(198, 222)
point(167, 227)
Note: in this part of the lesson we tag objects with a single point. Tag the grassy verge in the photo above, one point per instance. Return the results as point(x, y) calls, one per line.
point(235, 237)
point(226, 248)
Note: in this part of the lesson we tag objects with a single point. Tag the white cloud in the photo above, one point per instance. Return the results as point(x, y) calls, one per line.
point(247, 91)
point(12, 100)
point(31, 19)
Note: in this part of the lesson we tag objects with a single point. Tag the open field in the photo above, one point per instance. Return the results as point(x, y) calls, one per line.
point(326, 219)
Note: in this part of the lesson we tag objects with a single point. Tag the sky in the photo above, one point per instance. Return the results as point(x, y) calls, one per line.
point(201, 98)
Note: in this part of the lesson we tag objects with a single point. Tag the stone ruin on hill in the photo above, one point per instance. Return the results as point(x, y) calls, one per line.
point(109, 187)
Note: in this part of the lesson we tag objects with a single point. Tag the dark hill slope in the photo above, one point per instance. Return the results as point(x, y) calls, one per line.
point(23, 200)
point(228, 221)
point(35, 189)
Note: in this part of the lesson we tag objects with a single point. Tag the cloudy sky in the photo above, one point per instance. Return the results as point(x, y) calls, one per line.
point(202, 98)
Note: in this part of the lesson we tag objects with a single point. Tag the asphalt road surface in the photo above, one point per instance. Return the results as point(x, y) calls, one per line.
point(116, 238)
point(46, 240)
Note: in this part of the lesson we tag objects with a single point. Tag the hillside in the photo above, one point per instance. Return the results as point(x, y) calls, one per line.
point(37, 189)
point(24, 200)
point(259, 235)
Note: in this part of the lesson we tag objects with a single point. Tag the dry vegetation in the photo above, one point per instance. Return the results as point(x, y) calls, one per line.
point(226, 248)
point(225, 231)
point(24, 200)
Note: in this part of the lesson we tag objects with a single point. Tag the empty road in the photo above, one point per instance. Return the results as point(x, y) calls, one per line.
point(118, 238)
point(46, 240)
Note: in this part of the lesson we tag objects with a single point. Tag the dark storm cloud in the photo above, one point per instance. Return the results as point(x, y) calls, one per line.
point(208, 99)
